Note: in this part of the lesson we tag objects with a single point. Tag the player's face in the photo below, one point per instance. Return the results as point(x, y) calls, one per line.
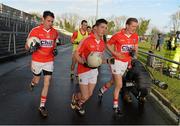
point(48, 22)
point(101, 29)
point(89, 30)
point(132, 27)
point(94, 29)
point(84, 26)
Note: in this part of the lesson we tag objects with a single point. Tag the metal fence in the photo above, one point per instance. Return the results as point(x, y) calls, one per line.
point(64, 39)
point(156, 61)
point(13, 13)
point(163, 69)
point(10, 39)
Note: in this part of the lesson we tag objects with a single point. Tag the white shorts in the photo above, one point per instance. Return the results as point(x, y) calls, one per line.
point(89, 77)
point(119, 67)
point(37, 67)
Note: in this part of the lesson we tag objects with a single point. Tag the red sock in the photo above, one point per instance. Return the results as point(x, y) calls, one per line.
point(104, 88)
point(43, 101)
point(115, 103)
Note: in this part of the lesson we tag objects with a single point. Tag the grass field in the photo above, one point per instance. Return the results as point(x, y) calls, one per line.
point(173, 91)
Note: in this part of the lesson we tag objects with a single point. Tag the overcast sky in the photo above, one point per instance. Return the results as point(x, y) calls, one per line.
point(158, 11)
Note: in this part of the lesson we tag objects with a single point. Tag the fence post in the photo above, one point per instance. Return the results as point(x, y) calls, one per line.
point(9, 46)
point(16, 28)
point(14, 40)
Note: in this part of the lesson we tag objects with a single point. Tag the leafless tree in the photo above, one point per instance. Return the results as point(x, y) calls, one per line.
point(175, 20)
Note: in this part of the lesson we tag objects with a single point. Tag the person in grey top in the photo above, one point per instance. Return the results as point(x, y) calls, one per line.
point(154, 41)
point(159, 42)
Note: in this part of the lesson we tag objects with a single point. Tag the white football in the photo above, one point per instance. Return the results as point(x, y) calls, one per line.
point(94, 59)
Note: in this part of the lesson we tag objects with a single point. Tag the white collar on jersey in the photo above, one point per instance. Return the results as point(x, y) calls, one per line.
point(98, 41)
point(47, 30)
point(128, 35)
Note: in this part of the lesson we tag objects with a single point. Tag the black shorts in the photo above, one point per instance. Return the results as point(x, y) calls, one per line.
point(44, 73)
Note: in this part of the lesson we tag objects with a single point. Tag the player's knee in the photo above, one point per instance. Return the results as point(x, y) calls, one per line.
point(47, 79)
point(35, 80)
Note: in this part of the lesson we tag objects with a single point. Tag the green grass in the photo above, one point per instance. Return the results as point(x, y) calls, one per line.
point(173, 91)
point(145, 46)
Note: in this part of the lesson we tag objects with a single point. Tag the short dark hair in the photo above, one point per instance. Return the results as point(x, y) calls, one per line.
point(88, 26)
point(93, 26)
point(83, 21)
point(177, 32)
point(99, 21)
point(48, 13)
point(130, 20)
point(159, 34)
